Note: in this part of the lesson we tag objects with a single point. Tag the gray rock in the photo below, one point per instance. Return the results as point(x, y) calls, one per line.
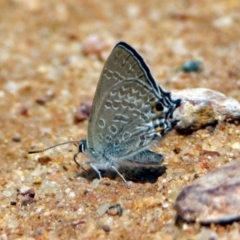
point(201, 107)
point(212, 198)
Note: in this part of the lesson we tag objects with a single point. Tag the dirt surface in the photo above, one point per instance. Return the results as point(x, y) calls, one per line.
point(51, 56)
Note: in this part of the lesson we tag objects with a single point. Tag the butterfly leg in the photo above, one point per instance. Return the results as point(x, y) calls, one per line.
point(113, 168)
point(121, 176)
point(97, 171)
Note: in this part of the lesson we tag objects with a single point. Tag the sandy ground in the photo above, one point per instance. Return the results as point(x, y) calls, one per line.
point(48, 68)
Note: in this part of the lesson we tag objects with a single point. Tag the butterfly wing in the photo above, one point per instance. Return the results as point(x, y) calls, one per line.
point(129, 109)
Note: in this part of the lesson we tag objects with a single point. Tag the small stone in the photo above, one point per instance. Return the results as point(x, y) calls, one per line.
point(94, 45)
point(236, 145)
point(41, 101)
point(102, 209)
point(178, 46)
point(23, 112)
point(223, 22)
point(68, 190)
point(44, 160)
point(133, 11)
point(210, 153)
point(26, 195)
point(106, 228)
point(24, 190)
point(191, 66)
point(8, 192)
point(83, 111)
point(49, 95)
point(115, 210)
point(177, 150)
point(50, 187)
point(16, 139)
point(12, 87)
point(72, 195)
point(12, 223)
point(78, 223)
point(37, 171)
point(80, 211)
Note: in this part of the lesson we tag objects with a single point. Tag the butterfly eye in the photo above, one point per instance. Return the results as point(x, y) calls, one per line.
point(158, 107)
point(82, 145)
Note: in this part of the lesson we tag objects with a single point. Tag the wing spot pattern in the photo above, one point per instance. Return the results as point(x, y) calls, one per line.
point(101, 123)
point(113, 129)
point(116, 104)
point(126, 136)
point(109, 139)
point(100, 137)
point(118, 76)
point(108, 104)
point(121, 118)
point(108, 73)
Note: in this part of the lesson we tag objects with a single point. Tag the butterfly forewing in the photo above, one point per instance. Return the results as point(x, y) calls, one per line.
point(123, 120)
point(124, 63)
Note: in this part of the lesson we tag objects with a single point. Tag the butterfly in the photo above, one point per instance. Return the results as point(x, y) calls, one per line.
point(130, 113)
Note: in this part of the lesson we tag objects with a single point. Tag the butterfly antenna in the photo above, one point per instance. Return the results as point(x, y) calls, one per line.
point(45, 149)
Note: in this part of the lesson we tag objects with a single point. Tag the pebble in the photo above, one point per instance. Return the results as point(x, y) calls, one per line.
point(102, 209)
point(8, 192)
point(191, 66)
point(24, 190)
point(83, 111)
point(12, 87)
point(50, 187)
point(115, 210)
point(106, 228)
point(37, 171)
point(78, 223)
point(16, 139)
point(236, 145)
point(12, 223)
point(221, 22)
point(94, 44)
point(44, 160)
